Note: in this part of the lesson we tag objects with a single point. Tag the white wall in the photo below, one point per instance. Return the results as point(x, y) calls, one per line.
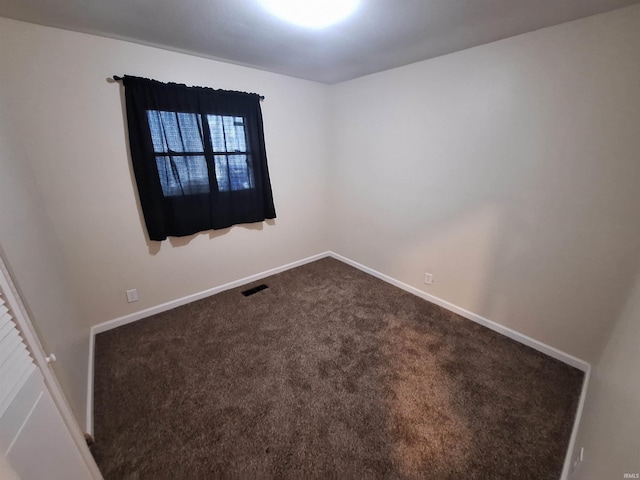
point(32, 251)
point(71, 123)
point(510, 171)
point(611, 420)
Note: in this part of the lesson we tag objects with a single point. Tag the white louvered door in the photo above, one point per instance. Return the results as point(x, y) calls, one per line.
point(34, 438)
point(16, 364)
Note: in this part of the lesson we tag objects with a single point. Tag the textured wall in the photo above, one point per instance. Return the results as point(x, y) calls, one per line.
point(35, 258)
point(510, 171)
point(611, 421)
point(71, 123)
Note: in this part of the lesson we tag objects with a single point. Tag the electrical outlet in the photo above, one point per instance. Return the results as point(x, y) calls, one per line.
point(428, 278)
point(132, 295)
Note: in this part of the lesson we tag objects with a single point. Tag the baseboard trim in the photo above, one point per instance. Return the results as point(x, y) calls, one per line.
point(147, 312)
point(568, 459)
point(89, 419)
point(506, 331)
point(178, 302)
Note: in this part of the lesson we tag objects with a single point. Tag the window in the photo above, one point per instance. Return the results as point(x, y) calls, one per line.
point(232, 163)
point(198, 156)
point(182, 166)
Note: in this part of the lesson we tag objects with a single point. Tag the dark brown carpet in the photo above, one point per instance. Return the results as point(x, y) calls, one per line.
point(329, 373)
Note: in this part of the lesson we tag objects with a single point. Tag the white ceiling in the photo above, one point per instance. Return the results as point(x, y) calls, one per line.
point(382, 34)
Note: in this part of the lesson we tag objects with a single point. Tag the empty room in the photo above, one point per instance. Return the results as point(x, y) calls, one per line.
point(320, 239)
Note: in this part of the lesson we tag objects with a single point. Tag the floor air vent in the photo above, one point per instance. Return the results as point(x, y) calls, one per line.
point(253, 290)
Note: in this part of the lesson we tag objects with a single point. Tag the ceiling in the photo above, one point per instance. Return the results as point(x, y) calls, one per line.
point(382, 34)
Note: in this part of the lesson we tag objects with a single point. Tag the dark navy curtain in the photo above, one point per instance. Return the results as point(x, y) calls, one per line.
point(198, 156)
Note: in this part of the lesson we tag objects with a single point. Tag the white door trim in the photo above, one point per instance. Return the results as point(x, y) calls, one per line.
point(21, 317)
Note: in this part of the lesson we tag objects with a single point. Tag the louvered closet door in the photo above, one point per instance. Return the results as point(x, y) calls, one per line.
point(33, 436)
point(15, 362)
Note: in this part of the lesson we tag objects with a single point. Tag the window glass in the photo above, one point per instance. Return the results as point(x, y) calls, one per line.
point(233, 172)
point(175, 131)
point(183, 175)
point(227, 133)
point(179, 135)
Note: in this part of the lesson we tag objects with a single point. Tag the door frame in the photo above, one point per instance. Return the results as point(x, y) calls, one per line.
point(35, 347)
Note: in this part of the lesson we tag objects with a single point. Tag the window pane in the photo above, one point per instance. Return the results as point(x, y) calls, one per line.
point(233, 172)
point(186, 175)
point(175, 131)
point(217, 134)
point(227, 133)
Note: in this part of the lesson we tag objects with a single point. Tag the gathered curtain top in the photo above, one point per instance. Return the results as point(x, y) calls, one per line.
point(133, 80)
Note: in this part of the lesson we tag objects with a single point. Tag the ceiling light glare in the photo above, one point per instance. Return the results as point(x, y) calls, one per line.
point(311, 13)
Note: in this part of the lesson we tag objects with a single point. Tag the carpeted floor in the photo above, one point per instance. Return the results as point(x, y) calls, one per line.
point(328, 373)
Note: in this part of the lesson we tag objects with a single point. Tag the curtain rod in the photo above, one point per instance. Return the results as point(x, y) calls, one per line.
point(118, 78)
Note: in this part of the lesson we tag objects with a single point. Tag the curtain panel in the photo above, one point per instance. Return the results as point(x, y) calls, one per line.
point(198, 157)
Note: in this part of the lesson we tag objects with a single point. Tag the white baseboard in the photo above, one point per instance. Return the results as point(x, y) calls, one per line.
point(132, 317)
point(118, 322)
point(571, 449)
point(89, 419)
point(518, 337)
point(508, 332)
